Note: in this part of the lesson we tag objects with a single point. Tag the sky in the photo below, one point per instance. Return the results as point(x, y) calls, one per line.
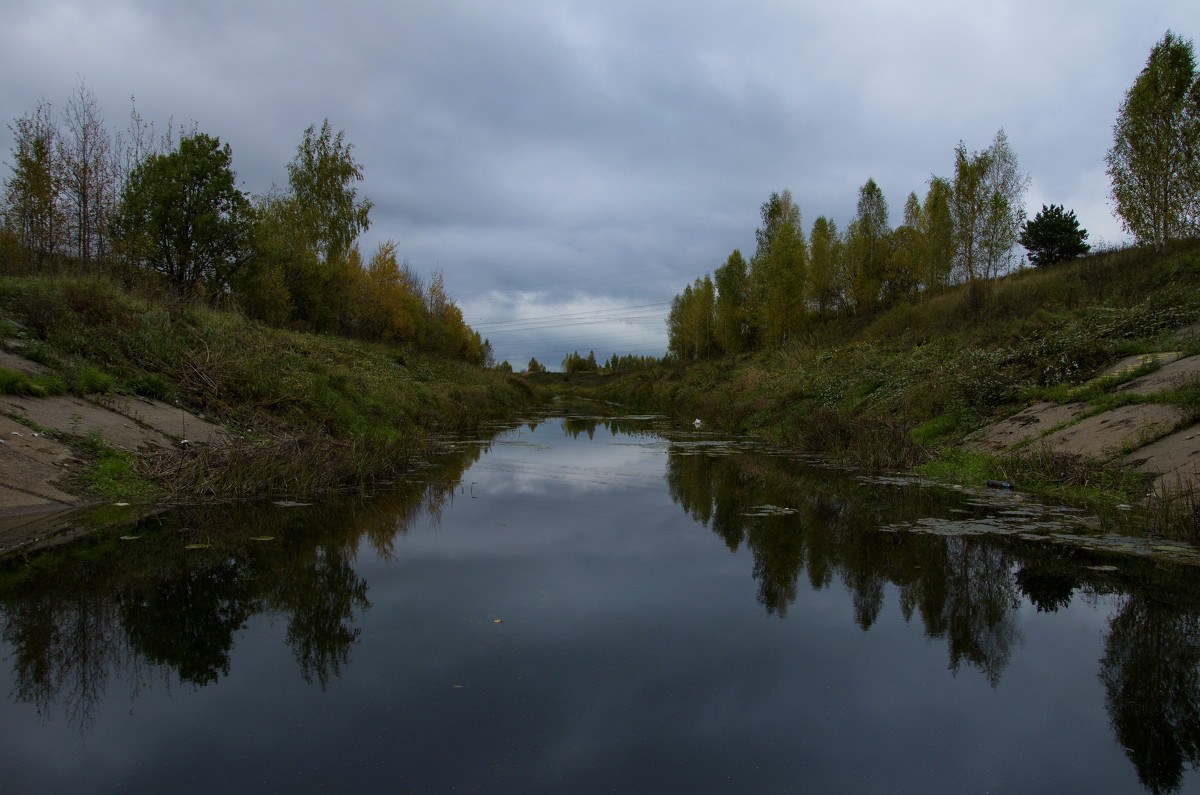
point(569, 165)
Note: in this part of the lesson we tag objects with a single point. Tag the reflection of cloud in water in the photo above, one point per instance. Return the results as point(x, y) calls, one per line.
point(543, 464)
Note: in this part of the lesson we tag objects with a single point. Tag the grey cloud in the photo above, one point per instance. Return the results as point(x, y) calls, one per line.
point(516, 145)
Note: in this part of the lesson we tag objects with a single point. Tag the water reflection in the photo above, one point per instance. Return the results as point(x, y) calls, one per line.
point(967, 590)
point(148, 607)
point(81, 619)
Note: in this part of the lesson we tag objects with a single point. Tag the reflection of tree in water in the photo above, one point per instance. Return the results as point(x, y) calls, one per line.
point(616, 426)
point(964, 589)
point(1151, 675)
point(102, 609)
point(187, 622)
point(794, 519)
point(65, 651)
point(321, 599)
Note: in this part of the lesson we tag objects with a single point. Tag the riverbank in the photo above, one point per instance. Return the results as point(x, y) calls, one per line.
point(1077, 382)
point(108, 396)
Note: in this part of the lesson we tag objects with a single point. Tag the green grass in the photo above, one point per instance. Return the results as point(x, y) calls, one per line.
point(13, 382)
point(114, 474)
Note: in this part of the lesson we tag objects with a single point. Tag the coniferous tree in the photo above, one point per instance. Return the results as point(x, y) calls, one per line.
point(1053, 236)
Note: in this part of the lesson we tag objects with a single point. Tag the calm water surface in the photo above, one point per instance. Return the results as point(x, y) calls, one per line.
point(594, 606)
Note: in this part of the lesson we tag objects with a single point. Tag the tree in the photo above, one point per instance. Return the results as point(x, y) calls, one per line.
point(907, 254)
point(32, 208)
point(986, 208)
point(1054, 236)
point(322, 175)
point(733, 295)
point(825, 259)
point(1005, 185)
point(937, 233)
point(88, 181)
point(1154, 163)
point(867, 247)
point(690, 321)
point(535, 366)
point(504, 367)
point(182, 216)
point(779, 269)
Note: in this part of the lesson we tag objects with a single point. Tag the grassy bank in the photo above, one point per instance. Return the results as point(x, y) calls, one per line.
point(316, 412)
point(901, 388)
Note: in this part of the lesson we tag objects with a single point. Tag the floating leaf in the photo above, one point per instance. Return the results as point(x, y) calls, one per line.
point(497, 620)
point(262, 538)
point(198, 546)
point(129, 538)
point(121, 504)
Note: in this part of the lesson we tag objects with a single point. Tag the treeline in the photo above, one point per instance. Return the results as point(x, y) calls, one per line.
point(164, 212)
point(628, 363)
point(574, 363)
point(963, 229)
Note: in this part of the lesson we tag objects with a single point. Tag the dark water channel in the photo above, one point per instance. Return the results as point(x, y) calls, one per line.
point(593, 606)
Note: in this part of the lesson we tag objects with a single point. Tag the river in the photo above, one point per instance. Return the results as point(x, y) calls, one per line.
point(583, 604)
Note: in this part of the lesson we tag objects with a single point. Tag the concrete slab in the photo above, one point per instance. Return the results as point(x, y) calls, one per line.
point(1029, 423)
point(1174, 458)
point(1168, 377)
point(78, 417)
point(30, 468)
point(19, 363)
point(1105, 435)
point(1132, 363)
point(166, 419)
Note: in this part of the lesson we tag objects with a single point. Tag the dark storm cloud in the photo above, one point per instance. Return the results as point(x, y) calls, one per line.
point(518, 145)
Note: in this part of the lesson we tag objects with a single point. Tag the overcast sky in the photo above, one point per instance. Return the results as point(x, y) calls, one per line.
point(560, 158)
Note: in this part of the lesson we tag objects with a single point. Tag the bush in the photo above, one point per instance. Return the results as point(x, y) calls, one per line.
point(93, 380)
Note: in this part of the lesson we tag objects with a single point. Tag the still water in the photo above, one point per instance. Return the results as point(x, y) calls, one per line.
point(583, 605)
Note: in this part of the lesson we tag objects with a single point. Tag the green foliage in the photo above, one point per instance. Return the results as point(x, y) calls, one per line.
point(535, 366)
point(32, 210)
point(1154, 163)
point(504, 367)
point(328, 213)
point(182, 216)
point(1054, 236)
point(236, 368)
point(574, 363)
point(92, 380)
point(13, 382)
point(113, 474)
point(150, 385)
